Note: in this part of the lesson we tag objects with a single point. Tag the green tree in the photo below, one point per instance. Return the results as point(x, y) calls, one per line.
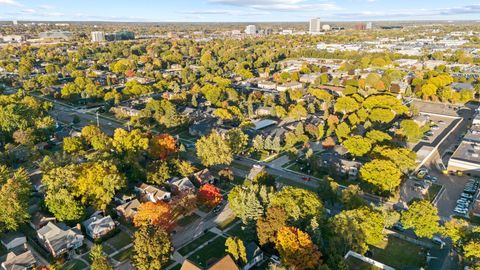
point(352, 197)
point(248, 203)
point(214, 150)
point(383, 174)
point(346, 105)
point(381, 115)
point(99, 259)
point(342, 131)
point(151, 248)
point(404, 158)
point(72, 144)
point(411, 130)
point(358, 228)
point(14, 196)
point(98, 182)
point(237, 140)
point(423, 217)
point(62, 204)
point(160, 174)
point(358, 146)
point(456, 229)
point(236, 248)
point(297, 203)
point(378, 136)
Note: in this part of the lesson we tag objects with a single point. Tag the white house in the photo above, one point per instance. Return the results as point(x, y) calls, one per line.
point(98, 226)
point(153, 193)
point(12, 240)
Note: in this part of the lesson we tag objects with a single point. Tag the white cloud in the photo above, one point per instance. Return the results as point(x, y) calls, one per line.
point(419, 13)
point(10, 2)
point(280, 5)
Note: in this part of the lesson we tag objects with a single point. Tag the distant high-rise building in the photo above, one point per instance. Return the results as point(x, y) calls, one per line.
point(15, 22)
point(251, 29)
point(360, 26)
point(315, 26)
point(98, 36)
point(369, 26)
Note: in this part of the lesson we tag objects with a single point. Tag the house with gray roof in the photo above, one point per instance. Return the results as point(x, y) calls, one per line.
point(59, 238)
point(13, 240)
point(128, 210)
point(98, 226)
point(181, 185)
point(21, 261)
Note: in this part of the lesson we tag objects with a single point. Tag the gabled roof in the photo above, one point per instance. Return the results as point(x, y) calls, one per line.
point(226, 263)
point(130, 208)
point(188, 265)
point(182, 184)
point(19, 262)
point(11, 236)
point(203, 176)
point(98, 224)
point(60, 236)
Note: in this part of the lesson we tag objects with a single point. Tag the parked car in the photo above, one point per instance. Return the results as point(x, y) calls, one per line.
point(438, 241)
point(275, 259)
point(398, 226)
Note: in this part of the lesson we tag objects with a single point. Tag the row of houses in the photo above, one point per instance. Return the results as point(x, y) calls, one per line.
point(129, 205)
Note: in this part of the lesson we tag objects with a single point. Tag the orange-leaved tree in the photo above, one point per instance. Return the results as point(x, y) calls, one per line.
point(297, 249)
point(157, 214)
point(163, 145)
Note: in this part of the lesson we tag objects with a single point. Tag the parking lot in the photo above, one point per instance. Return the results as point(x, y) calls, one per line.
point(453, 187)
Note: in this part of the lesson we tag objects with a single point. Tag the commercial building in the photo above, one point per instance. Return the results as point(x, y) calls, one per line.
point(369, 26)
point(251, 29)
point(467, 156)
point(98, 36)
point(65, 35)
point(123, 35)
point(315, 26)
point(13, 38)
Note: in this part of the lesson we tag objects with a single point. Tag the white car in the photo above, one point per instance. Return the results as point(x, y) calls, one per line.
point(275, 259)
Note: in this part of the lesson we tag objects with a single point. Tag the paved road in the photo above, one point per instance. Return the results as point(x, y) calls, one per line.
point(65, 113)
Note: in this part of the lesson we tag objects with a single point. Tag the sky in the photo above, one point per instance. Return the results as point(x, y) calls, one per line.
point(237, 10)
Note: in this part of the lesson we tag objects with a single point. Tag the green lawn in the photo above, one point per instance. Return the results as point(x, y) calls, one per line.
point(120, 240)
point(357, 264)
point(196, 243)
point(399, 253)
point(184, 221)
point(214, 251)
point(239, 232)
point(433, 191)
point(123, 255)
point(290, 182)
point(74, 265)
point(3, 251)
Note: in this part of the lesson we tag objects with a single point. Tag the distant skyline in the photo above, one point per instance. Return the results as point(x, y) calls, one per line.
point(237, 10)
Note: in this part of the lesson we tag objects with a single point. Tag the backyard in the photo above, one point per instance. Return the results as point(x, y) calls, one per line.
point(196, 243)
point(214, 251)
point(399, 254)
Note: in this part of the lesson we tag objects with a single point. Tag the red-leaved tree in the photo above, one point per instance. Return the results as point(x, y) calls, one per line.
point(209, 195)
